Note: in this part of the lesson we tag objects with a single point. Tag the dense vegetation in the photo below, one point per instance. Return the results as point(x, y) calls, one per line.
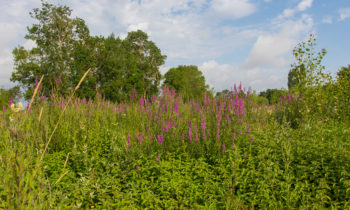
point(109, 138)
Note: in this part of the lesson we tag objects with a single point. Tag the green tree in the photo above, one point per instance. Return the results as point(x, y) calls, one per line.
point(55, 35)
point(308, 70)
point(273, 95)
point(117, 69)
point(6, 95)
point(148, 59)
point(186, 80)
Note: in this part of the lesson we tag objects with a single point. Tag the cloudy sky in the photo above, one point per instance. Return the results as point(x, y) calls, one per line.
point(231, 41)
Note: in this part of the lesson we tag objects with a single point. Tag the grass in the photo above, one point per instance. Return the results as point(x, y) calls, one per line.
point(211, 153)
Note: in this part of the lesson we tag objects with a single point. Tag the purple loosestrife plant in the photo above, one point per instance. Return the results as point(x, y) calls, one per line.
point(129, 140)
point(203, 125)
point(160, 139)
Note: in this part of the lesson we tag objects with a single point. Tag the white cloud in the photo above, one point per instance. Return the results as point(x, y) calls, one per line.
point(224, 76)
point(272, 48)
point(304, 4)
point(327, 19)
point(289, 12)
point(344, 13)
point(233, 8)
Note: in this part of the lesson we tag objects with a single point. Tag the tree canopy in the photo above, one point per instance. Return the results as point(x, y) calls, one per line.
point(64, 50)
point(186, 80)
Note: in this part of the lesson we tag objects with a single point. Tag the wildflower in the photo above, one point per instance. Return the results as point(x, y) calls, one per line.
point(234, 136)
point(11, 101)
point(4, 108)
point(3, 122)
point(251, 140)
point(137, 168)
point(218, 131)
point(158, 158)
point(160, 139)
point(223, 148)
point(203, 126)
point(190, 134)
point(182, 136)
point(16, 107)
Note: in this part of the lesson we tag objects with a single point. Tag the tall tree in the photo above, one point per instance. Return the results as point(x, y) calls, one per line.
point(307, 70)
point(55, 35)
point(186, 80)
point(148, 59)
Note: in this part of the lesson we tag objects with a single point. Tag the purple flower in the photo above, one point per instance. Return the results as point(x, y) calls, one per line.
point(251, 140)
point(177, 108)
point(182, 136)
point(158, 158)
point(223, 148)
point(203, 126)
point(83, 101)
point(137, 168)
point(160, 139)
point(3, 122)
point(141, 102)
point(150, 138)
point(218, 131)
point(234, 136)
point(4, 108)
point(11, 101)
point(190, 134)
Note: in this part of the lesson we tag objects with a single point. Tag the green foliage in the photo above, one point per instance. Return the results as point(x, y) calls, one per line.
point(55, 34)
point(307, 71)
point(13, 93)
point(187, 81)
point(91, 164)
point(273, 95)
point(64, 51)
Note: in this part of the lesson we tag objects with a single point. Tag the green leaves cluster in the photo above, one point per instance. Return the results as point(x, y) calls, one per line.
point(64, 50)
point(187, 81)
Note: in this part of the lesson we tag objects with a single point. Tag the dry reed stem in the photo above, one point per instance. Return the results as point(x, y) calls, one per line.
point(65, 107)
point(59, 179)
point(35, 92)
point(41, 112)
point(65, 163)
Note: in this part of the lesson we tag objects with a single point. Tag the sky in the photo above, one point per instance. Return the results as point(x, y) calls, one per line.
point(231, 41)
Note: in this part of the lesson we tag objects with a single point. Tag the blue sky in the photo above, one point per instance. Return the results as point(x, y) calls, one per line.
point(231, 41)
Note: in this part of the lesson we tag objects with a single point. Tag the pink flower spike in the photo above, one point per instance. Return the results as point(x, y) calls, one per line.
point(128, 140)
point(3, 122)
point(251, 140)
point(223, 148)
point(234, 136)
point(4, 108)
point(158, 158)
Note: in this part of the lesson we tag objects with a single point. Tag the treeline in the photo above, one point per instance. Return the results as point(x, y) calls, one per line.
point(64, 50)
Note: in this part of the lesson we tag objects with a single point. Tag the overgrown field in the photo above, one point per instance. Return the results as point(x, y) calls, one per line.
point(163, 152)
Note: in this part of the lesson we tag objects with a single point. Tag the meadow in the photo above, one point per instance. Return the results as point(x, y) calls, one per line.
point(163, 152)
